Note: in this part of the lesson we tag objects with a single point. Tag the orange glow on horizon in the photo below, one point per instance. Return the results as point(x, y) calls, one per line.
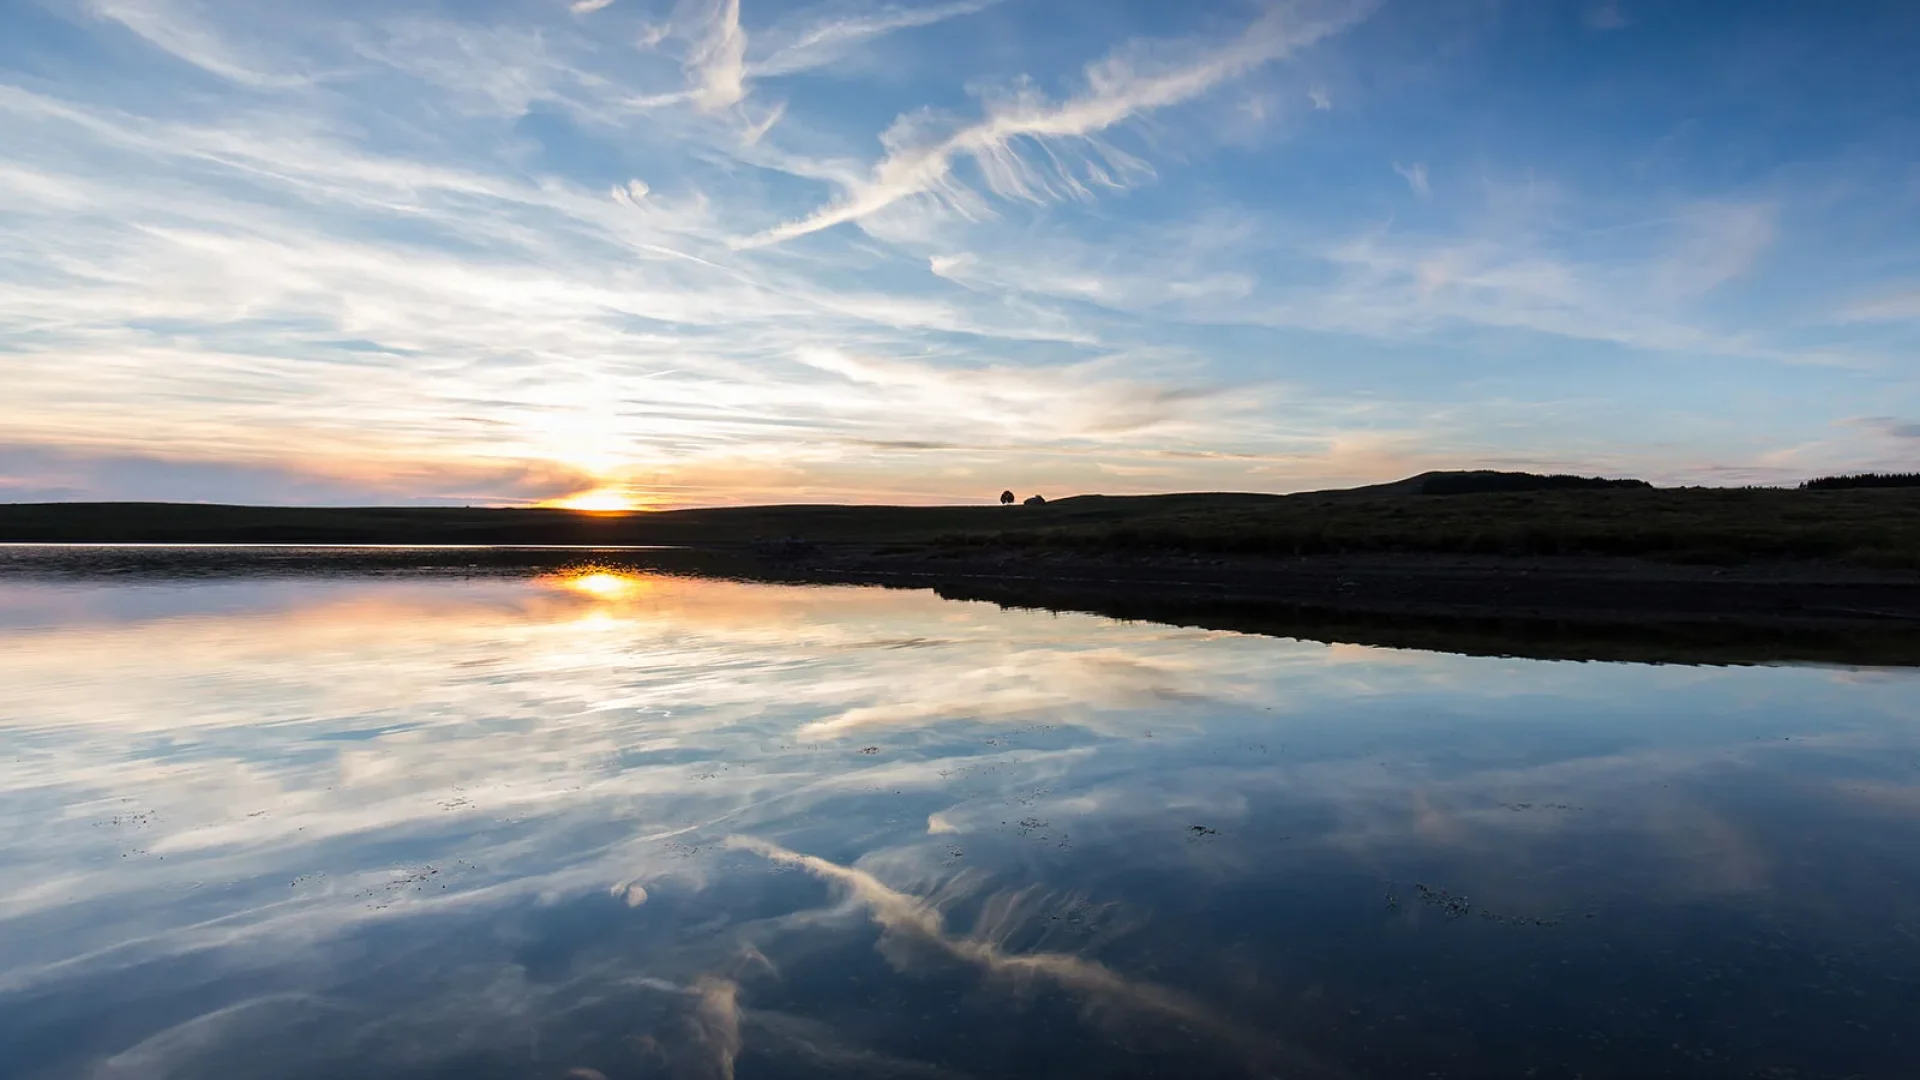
point(603, 500)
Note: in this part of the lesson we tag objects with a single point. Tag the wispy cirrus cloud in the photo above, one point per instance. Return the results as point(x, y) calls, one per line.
point(720, 69)
point(177, 28)
point(1416, 177)
point(1890, 426)
point(903, 916)
point(1897, 306)
point(920, 160)
point(1404, 283)
point(1716, 242)
point(816, 44)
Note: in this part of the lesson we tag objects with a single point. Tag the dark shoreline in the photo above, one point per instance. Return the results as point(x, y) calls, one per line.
point(1707, 575)
point(1540, 608)
point(1571, 609)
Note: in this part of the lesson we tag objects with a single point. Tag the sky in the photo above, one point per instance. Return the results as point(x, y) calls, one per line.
point(652, 253)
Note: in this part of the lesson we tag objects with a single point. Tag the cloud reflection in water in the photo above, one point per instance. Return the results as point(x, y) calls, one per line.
point(427, 821)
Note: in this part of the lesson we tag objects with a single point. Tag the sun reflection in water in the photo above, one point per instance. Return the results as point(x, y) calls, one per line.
point(605, 584)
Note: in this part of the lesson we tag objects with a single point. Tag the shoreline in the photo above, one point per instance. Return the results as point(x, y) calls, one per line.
point(1543, 608)
point(1562, 586)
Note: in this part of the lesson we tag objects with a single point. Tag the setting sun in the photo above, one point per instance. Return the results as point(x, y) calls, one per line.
point(604, 500)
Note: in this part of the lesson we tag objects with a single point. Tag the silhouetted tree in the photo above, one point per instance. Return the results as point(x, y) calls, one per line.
point(1006, 498)
point(1036, 500)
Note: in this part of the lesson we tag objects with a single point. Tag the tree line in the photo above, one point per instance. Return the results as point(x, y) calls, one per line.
point(1862, 480)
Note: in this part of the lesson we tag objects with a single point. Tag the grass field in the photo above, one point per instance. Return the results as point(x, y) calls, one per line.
point(1869, 527)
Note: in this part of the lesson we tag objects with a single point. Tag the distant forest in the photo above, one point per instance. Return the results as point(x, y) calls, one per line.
point(1862, 480)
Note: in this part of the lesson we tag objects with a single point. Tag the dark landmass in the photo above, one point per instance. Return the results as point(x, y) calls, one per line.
point(1499, 563)
point(1863, 480)
point(1487, 481)
point(1465, 513)
point(1548, 609)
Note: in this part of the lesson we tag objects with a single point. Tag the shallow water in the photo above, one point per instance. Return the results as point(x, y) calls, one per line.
point(574, 821)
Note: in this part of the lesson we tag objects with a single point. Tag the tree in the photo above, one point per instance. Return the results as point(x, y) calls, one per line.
point(1006, 498)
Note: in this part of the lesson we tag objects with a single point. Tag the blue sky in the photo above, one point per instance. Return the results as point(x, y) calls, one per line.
point(707, 251)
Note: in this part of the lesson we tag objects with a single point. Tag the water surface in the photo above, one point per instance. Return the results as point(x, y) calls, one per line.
point(573, 820)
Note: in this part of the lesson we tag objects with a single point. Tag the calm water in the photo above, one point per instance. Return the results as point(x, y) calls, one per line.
point(590, 823)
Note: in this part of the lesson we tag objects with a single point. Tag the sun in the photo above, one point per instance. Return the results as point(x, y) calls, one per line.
point(606, 500)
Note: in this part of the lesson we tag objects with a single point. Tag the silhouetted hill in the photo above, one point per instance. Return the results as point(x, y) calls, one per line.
point(1878, 527)
point(1486, 481)
point(1482, 482)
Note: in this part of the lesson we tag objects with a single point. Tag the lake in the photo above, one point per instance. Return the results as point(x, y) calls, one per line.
point(377, 815)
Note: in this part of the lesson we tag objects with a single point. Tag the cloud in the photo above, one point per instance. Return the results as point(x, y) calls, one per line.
point(1071, 688)
point(1398, 283)
point(1897, 306)
point(756, 130)
point(1320, 98)
point(1171, 281)
point(720, 71)
point(1090, 400)
point(716, 1022)
point(1103, 991)
point(1891, 427)
point(920, 159)
point(1411, 287)
point(171, 29)
point(588, 7)
point(1716, 242)
point(717, 63)
point(1416, 177)
point(173, 1049)
point(54, 473)
point(815, 45)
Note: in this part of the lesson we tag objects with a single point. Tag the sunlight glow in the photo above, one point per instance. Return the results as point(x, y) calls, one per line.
point(605, 500)
point(605, 584)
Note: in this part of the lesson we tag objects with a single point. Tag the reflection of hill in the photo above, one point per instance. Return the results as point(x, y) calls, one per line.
point(1538, 638)
point(1542, 609)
